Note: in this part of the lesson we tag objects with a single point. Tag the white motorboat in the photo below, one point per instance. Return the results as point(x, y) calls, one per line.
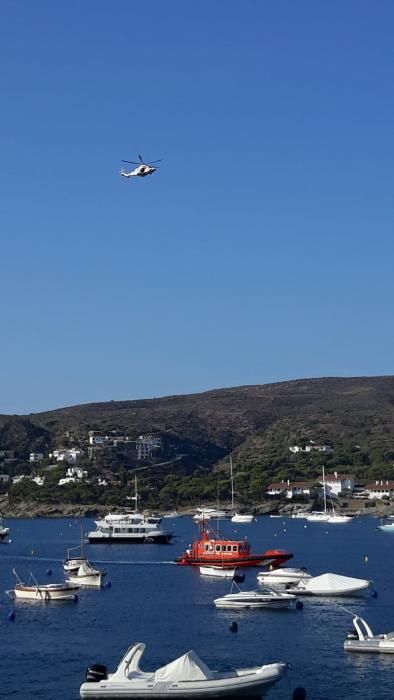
point(217, 571)
point(264, 598)
point(386, 527)
point(87, 575)
point(173, 514)
point(331, 585)
point(284, 576)
point(134, 527)
point(185, 677)
point(42, 592)
point(300, 514)
point(363, 639)
point(210, 514)
point(240, 518)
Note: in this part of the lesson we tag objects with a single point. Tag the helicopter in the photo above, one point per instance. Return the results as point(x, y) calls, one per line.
point(142, 168)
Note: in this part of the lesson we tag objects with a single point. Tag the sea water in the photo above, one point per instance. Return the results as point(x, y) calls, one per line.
point(46, 649)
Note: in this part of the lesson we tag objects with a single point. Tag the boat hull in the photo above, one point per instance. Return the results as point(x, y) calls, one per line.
point(266, 559)
point(224, 688)
point(45, 594)
point(368, 646)
point(217, 571)
point(163, 538)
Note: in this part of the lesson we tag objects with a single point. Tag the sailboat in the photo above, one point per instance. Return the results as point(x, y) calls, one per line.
point(326, 517)
point(320, 516)
point(237, 517)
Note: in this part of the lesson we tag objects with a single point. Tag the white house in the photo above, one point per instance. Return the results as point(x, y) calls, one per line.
point(39, 480)
point(19, 478)
point(77, 472)
point(311, 446)
point(339, 484)
point(290, 488)
point(380, 489)
point(36, 456)
point(66, 480)
point(70, 456)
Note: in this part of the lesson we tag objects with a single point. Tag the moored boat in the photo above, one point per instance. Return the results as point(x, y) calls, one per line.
point(87, 575)
point(185, 677)
point(332, 585)
point(363, 639)
point(217, 571)
point(263, 598)
point(43, 592)
point(209, 550)
point(283, 576)
point(242, 518)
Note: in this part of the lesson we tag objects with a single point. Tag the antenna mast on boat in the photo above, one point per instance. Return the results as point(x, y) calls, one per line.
point(232, 482)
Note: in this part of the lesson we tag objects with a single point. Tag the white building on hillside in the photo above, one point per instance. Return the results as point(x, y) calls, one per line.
point(146, 444)
point(311, 446)
point(36, 457)
point(291, 488)
point(380, 489)
point(339, 484)
point(70, 456)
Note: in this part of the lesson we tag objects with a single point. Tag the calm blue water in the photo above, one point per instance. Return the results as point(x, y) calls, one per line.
point(45, 651)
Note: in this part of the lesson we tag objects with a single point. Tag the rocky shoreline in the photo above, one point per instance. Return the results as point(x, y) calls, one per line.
point(32, 509)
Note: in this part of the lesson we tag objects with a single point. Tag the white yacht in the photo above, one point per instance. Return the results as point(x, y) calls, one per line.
point(134, 528)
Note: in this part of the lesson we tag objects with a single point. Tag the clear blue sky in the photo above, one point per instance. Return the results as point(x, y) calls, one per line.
point(263, 248)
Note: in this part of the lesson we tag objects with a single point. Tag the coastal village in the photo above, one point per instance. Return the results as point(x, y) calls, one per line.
point(81, 463)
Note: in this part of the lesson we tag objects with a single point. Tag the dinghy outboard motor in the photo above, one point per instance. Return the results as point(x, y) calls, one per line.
point(96, 673)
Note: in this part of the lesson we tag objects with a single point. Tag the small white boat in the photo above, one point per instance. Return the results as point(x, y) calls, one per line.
point(239, 518)
point(335, 519)
point(185, 677)
point(42, 592)
point(264, 598)
point(318, 517)
point(363, 639)
point(300, 514)
point(173, 514)
point(87, 575)
point(331, 585)
point(217, 571)
point(386, 527)
point(284, 576)
point(210, 514)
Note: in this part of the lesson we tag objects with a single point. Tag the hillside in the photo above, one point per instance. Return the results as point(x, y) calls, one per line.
point(256, 423)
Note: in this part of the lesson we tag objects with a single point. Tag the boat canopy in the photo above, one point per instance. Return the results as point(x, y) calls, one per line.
point(334, 583)
point(186, 668)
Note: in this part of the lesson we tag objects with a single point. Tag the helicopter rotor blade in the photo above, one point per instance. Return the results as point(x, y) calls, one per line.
point(156, 161)
point(140, 157)
point(129, 161)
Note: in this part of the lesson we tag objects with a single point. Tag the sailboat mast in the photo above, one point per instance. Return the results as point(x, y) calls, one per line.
point(232, 482)
point(324, 493)
point(136, 494)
